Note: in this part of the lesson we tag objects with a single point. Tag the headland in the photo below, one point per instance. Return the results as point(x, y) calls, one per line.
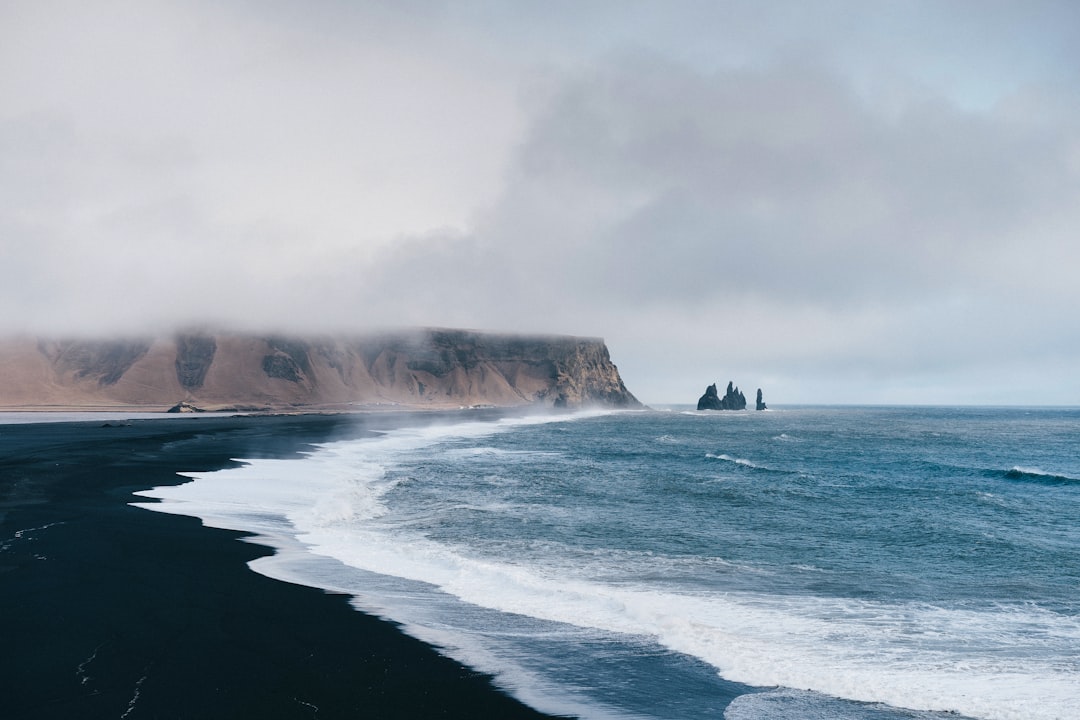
point(247, 372)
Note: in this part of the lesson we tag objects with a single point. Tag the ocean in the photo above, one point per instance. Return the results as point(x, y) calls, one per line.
point(804, 562)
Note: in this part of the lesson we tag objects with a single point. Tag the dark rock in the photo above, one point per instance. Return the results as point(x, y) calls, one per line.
point(102, 360)
point(760, 401)
point(194, 354)
point(184, 407)
point(297, 350)
point(282, 366)
point(733, 399)
point(710, 400)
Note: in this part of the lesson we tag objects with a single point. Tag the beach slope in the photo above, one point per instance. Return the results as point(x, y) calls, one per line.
point(109, 611)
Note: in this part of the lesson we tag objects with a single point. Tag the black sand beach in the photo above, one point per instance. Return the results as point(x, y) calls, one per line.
point(110, 611)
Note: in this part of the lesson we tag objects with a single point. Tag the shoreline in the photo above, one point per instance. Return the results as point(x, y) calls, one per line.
point(114, 611)
point(313, 409)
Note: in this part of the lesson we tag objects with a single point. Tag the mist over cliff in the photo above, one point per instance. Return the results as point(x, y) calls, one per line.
point(231, 370)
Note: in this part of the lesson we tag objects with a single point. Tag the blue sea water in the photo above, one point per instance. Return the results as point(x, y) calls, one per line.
point(836, 562)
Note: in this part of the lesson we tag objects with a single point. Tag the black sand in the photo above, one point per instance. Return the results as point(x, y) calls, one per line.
point(111, 611)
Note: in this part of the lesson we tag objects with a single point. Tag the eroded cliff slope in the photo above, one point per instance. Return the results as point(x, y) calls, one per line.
point(234, 370)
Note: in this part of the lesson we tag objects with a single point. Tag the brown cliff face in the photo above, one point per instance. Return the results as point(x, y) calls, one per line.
point(438, 368)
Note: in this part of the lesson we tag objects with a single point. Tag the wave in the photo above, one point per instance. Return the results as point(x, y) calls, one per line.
point(748, 464)
point(738, 461)
point(788, 704)
point(910, 656)
point(1038, 475)
point(500, 453)
point(1017, 473)
point(999, 663)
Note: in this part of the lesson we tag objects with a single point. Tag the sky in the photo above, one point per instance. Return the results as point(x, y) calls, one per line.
point(836, 201)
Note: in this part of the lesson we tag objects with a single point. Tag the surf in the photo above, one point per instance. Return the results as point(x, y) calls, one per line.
point(435, 527)
point(1037, 475)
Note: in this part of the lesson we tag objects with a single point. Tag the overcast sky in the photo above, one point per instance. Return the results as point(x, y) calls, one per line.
point(836, 201)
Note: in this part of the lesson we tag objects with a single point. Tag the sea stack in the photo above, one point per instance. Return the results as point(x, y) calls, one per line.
point(733, 399)
point(760, 402)
point(710, 400)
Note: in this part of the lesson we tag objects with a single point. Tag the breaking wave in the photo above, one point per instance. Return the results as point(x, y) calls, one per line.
point(1038, 475)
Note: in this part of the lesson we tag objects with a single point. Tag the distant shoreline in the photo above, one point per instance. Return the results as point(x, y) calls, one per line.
point(224, 371)
point(328, 409)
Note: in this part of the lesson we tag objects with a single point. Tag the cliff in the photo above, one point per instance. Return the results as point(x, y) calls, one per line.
point(437, 368)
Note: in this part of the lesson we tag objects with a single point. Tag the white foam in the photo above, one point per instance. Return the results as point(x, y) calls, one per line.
point(919, 657)
point(738, 461)
point(788, 704)
point(997, 663)
point(500, 453)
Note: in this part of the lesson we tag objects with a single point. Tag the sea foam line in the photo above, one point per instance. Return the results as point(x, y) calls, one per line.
point(918, 657)
point(921, 657)
point(343, 482)
point(907, 656)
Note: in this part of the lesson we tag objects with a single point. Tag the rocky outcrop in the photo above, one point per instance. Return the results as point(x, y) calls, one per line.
point(760, 405)
point(194, 354)
point(710, 400)
point(99, 361)
point(228, 370)
point(184, 407)
point(733, 399)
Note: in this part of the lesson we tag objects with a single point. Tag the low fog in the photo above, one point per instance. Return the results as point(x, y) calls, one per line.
point(849, 202)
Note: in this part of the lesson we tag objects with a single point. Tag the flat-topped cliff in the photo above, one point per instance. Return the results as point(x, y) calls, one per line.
point(213, 371)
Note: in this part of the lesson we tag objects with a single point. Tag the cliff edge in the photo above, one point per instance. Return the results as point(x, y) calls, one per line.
point(214, 371)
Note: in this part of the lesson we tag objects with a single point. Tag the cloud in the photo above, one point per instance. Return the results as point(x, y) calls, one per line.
point(195, 155)
point(845, 201)
point(785, 217)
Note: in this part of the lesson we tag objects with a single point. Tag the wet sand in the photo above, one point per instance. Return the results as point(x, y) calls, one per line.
point(110, 611)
